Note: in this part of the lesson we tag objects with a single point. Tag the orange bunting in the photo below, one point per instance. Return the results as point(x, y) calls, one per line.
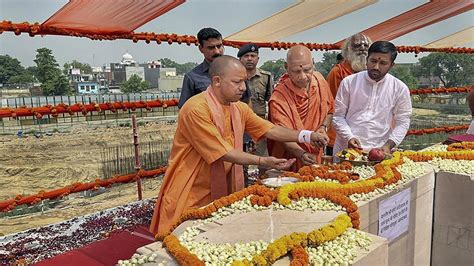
point(441, 90)
point(10, 204)
point(446, 129)
point(63, 108)
point(38, 29)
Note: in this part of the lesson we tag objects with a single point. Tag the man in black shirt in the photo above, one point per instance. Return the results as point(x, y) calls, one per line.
point(197, 80)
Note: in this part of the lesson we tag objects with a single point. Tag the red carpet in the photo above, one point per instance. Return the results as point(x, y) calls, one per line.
point(460, 138)
point(119, 246)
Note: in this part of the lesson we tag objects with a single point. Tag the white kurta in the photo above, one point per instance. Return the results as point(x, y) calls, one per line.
point(365, 109)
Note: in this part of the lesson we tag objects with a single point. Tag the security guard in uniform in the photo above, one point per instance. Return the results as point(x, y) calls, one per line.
point(260, 85)
point(260, 82)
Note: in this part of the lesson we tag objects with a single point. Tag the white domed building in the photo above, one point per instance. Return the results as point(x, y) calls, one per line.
point(127, 59)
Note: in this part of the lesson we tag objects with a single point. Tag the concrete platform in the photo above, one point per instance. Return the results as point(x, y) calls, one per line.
point(453, 228)
point(270, 225)
point(414, 246)
point(410, 248)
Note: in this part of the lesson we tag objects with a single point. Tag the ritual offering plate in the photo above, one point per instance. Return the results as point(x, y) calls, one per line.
point(358, 157)
point(278, 181)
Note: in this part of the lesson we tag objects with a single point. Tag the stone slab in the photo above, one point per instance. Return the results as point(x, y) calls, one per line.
point(411, 248)
point(375, 255)
point(414, 246)
point(453, 228)
point(266, 225)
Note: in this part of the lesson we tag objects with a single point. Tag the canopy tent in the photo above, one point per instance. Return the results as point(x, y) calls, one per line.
point(108, 16)
point(422, 16)
point(301, 16)
point(109, 19)
point(459, 38)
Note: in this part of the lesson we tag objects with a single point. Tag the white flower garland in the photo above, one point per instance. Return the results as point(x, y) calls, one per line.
point(342, 250)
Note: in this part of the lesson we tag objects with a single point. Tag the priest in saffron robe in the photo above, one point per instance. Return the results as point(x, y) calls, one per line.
point(354, 52)
point(302, 101)
point(206, 158)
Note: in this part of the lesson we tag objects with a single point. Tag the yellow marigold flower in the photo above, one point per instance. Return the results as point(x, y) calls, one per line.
point(241, 263)
point(259, 260)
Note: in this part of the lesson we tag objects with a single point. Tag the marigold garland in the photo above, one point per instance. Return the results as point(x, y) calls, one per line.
point(300, 256)
point(441, 90)
point(10, 204)
point(84, 109)
point(205, 212)
point(337, 198)
point(286, 243)
point(458, 146)
point(436, 130)
point(180, 253)
point(36, 28)
point(385, 174)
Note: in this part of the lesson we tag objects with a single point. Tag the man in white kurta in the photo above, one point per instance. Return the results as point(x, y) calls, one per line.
point(372, 108)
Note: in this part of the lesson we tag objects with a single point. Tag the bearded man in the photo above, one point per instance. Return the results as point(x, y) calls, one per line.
point(354, 52)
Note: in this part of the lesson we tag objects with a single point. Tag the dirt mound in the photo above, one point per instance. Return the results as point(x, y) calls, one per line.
point(32, 164)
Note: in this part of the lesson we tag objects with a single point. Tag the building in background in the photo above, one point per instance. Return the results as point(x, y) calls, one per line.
point(152, 73)
point(88, 83)
point(169, 81)
point(87, 87)
point(160, 79)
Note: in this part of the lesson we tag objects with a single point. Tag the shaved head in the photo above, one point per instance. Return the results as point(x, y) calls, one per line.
point(299, 53)
point(299, 65)
point(224, 64)
point(228, 77)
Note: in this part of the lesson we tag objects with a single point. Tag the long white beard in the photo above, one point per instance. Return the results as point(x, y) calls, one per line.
point(358, 62)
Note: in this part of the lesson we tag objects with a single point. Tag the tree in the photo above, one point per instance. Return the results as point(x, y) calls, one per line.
point(181, 69)
point(452, 69)
point(46, 65)
point(404, 73)
point(327, 63)
point(57, 85)
point(185, 68)
point(9, 67)
point(276, 67)
point(49, 74)
point(134, 84)
point(22, 78)
point(32, 71)
point(84, 67)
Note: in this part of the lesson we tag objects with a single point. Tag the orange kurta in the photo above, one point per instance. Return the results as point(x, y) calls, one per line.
point(298, 109)
point(197, 144)
point(335, 76)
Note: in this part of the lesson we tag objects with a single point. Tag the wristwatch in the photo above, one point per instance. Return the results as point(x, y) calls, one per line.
point(325, 127)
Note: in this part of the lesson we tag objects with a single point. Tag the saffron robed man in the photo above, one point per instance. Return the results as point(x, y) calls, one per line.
point(302, 101)
point(206, 158)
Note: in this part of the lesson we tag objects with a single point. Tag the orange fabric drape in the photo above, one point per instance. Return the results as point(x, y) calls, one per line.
point(108, 16)
point(335, 76)
point(419, 17)
point(219, 187)
point(297, 109)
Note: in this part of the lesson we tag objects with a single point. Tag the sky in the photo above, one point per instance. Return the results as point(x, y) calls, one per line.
point(228, 16)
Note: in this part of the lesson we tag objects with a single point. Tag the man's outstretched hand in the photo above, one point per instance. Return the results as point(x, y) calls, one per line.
point(275, 163)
